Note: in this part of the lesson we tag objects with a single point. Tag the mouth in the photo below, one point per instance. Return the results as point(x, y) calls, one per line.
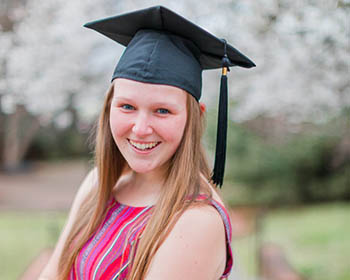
point(143, 146)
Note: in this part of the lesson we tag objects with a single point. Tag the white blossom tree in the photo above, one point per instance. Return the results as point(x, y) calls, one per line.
point(46, 64)
point(301, 49)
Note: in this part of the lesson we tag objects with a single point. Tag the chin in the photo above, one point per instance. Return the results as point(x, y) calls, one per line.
point(141, 168)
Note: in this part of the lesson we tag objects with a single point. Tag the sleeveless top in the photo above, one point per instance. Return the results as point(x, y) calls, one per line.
point(106, 255)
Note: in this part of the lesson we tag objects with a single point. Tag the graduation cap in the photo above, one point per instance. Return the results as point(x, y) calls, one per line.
point(162, 47)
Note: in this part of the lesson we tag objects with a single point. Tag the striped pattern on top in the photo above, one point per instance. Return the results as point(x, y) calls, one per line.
point(106, 255)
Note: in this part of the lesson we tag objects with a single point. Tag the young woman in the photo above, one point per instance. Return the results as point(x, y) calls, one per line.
point(149, 210)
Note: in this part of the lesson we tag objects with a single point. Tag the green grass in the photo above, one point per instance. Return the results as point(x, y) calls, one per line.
point(315, 239)
point(23, 236)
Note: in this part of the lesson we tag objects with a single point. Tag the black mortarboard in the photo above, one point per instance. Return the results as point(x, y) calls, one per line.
point(165, 48)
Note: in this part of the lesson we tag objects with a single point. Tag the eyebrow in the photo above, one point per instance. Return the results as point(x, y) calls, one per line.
point(164, 104)
point(125, 99)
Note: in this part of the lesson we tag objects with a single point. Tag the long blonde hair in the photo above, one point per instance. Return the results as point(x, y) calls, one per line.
point(182, 186)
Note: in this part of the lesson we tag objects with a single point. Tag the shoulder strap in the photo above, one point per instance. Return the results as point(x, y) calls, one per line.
point(228, 229)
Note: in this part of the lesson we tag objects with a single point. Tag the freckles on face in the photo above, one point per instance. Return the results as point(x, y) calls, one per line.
point(143, 115)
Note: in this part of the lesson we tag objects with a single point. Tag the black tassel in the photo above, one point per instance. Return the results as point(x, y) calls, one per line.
point(220, 153)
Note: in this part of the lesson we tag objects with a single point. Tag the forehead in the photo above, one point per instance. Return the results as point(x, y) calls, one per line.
point(138, 91)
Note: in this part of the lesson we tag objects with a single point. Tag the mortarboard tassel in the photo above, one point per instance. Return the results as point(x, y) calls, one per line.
point(220, 153)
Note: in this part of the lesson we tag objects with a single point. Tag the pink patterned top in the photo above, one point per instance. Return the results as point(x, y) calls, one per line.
point(105, 255)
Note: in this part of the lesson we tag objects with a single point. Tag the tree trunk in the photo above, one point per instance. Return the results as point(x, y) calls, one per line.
point(19, 132)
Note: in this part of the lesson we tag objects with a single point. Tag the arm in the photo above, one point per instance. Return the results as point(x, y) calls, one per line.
point(195, 248)
point(50, 270)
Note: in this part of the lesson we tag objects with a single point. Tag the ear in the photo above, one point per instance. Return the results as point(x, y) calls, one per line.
point(202, 107)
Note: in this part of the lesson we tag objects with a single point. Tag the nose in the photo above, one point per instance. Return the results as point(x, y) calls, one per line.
point(142, 126)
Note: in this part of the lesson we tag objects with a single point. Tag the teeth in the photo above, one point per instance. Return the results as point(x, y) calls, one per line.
point(143, 146)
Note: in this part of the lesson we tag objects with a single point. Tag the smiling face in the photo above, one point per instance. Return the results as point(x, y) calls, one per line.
point(147, 122)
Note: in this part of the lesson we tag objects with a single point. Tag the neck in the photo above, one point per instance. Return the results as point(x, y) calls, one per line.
point(141, 188)
point(150, 182)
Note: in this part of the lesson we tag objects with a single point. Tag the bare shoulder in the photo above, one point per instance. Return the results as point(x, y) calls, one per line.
point(204, 215)
point(90, 181)
point(202, 226)
point(194, 249)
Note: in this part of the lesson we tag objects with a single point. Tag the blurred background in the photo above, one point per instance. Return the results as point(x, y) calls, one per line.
point(287, 179)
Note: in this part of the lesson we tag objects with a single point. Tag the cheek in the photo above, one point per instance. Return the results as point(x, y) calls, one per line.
point(173, 130)
point(119, 125)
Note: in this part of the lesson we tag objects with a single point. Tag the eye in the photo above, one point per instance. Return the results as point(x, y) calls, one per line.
point(127, 107)
point(163, 111)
